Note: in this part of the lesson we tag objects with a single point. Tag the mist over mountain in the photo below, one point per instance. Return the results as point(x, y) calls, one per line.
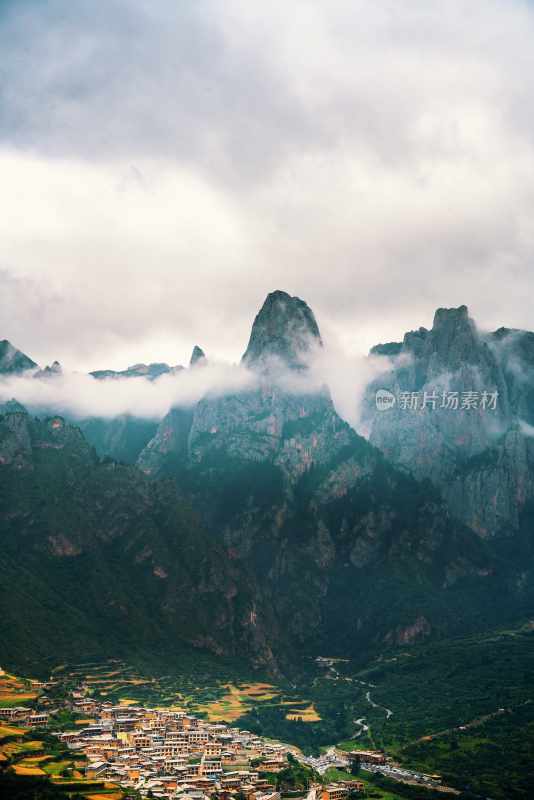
point(324, 540)
point(472, 437)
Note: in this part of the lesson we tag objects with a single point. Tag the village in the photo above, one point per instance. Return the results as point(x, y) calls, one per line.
point(168, 753)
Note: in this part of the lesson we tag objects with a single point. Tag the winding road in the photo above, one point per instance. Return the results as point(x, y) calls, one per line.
point(389, 712)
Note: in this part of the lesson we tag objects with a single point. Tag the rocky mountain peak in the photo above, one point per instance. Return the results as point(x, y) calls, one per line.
point(198, 357)
point(455, 340)
point(50, 371)
point(451, 317)
point(13, 360)
point(284, 330)
point(451, 343)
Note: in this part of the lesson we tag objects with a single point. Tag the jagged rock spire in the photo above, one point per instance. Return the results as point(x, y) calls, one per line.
point(452, 342)
point(284, 330)
point(198, 357)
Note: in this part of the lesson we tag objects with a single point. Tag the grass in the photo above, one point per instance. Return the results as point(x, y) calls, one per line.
point(333, 774)
point(55, 768)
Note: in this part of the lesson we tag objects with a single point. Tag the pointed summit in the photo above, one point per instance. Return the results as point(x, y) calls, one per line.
point(51, 371)
point(13, 360)
point(285, 330)
point(198, 357)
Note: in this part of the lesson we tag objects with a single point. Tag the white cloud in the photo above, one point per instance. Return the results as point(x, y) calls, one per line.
point(166, 165)
point(82, 396)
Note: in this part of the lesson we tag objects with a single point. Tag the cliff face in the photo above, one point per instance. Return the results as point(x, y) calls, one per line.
point(472, 441)
point(97, 559)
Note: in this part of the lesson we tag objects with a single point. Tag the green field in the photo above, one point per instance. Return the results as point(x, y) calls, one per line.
point(461, 708)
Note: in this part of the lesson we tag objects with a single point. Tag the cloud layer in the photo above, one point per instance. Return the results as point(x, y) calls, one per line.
point(165, 165)
point(81, 396)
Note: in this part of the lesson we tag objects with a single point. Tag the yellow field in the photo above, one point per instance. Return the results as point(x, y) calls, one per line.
point(16, 697)
point(11, 730)
point(20, 747)
point(31, 765)
point(110, 796)
point(259, 691)
point(238, 701)
point(308, 714)
point(230, 707)
point(22, 770)
point(13, 690)
point(31, 761)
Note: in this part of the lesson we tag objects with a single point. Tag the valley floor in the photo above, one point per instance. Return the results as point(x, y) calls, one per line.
point(461, 711)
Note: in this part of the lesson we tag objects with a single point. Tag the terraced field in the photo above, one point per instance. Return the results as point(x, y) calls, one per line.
point(15, 691)
point(307, 714)
point(238, 701)
point(209, 694)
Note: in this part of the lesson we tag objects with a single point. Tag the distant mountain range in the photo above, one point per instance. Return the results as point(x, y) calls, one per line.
point(259, 523)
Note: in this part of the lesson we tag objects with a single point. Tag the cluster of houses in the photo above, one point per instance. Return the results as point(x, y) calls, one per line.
point(19, 715)
point(175, 755)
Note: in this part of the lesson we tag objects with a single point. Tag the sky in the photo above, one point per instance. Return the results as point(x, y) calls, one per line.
point(163, 166)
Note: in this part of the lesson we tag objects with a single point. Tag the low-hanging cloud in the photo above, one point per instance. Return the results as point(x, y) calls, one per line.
point(81, 396)
point(165, 165)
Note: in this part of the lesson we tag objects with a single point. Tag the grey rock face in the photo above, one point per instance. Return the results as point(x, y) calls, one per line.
point(271, 425)
point(284, 330)
point(492, 490)
point(293, 432)
point(477, 455)
point(168, 448)
point(514, 350)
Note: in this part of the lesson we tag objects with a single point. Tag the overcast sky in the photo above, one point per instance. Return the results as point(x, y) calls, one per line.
point(164, 165)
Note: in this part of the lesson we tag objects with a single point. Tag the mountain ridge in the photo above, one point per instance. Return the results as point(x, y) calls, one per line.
point(318, 540)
